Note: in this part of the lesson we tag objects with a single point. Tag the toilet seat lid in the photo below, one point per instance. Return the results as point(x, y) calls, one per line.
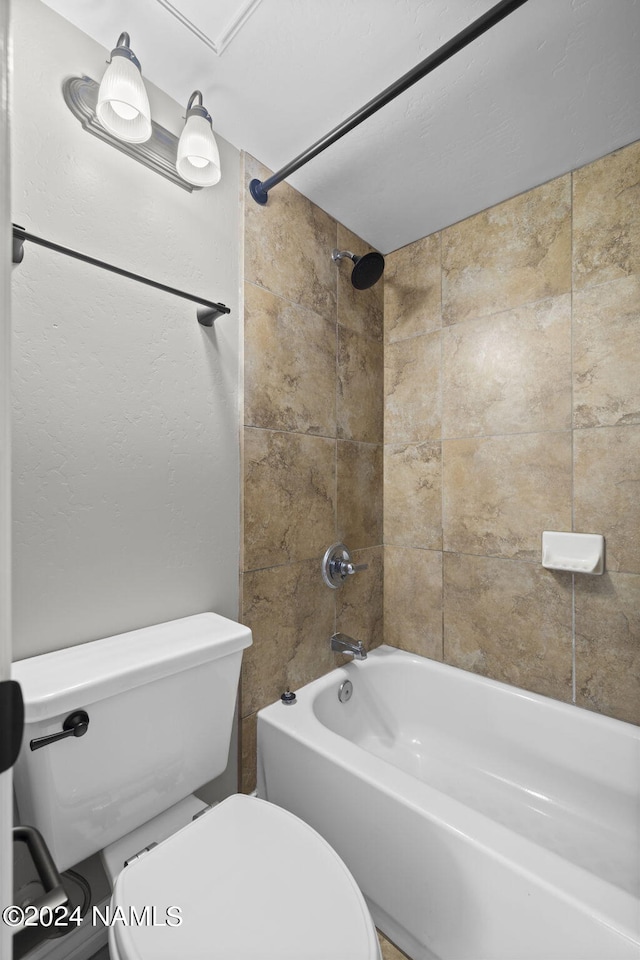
point(251, 881)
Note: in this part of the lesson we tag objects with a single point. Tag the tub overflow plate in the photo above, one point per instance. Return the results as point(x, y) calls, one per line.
point(345, 691)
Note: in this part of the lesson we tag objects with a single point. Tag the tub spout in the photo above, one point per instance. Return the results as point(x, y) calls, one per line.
point(341, 643)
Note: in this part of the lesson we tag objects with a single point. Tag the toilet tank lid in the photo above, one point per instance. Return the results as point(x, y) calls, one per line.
point(73, 677)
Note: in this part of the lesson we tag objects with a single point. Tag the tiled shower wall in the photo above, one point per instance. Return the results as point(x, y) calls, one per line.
point(512, 405)
point(313, 422)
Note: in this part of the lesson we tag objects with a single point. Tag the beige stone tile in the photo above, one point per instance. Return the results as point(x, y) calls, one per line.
point(509, 373)
point(413, 600)
point(513, 253)
point(606, 218)
point(360, 478)
point(359, 310)
point(413, 495)
point(248, 753)
point(510, 621)
point(291, 613)
point(412, 282)
point(606, 489)
point(289, 497)
point(608, 645)
point(360, 403)
point(290, 365)
point(500, 493)
point(389, 951)
point(412, 389)
point(359, 602)
point(288, 246)
point(606, 364)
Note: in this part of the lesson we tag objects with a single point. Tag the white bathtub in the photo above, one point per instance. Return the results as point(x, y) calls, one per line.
point(481, 822)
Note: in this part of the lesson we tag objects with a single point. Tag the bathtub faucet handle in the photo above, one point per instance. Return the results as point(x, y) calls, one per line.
point(347, 569)
point(337, 566)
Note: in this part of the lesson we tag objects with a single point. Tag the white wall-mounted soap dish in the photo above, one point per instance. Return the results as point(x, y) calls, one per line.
point(575, 552)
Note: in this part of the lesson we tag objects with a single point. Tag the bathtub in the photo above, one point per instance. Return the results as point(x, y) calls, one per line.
point(481, 822)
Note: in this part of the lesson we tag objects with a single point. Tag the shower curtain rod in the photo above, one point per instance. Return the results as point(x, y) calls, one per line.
point(207, 312)
point(260, 189)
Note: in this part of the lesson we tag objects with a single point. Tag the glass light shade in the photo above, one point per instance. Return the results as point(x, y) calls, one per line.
point(123, 105)
point(198, 159)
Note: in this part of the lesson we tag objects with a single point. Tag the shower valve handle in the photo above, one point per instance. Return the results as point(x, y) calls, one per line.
point(346, 569)
point(75, 725)
point(337, 566)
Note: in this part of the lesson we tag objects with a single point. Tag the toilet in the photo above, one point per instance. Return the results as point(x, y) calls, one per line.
point(118, 734)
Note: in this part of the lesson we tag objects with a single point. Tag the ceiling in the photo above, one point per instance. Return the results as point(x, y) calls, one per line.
point(554, 86)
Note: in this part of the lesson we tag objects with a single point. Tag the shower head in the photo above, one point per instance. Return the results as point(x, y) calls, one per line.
point(367, 269)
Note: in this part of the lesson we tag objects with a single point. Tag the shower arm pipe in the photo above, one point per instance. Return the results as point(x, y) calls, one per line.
point(207, 312)
point(260, 189)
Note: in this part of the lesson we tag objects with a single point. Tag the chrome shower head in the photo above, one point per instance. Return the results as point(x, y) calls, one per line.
point(367, 269)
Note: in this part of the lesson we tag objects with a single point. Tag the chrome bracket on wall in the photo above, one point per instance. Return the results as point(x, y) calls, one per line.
point(159, 153)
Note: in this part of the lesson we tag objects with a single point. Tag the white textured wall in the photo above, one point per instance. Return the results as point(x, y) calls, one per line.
point(126, 473)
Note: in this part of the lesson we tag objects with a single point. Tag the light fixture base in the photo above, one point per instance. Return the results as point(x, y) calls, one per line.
point(159, 153)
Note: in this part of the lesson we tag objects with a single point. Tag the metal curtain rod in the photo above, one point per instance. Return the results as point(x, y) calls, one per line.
point(206, 313)
point(260, 189)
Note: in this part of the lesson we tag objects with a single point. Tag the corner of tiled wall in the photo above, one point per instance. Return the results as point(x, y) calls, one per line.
point(413, 448)
point(313, 411)
point(512, 405)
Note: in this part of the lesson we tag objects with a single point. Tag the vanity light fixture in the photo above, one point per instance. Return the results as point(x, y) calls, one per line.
point(198, 160)
point(117, 112)
point(123, 105)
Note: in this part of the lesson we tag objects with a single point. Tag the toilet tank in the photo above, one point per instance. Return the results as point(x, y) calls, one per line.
point(160, 702)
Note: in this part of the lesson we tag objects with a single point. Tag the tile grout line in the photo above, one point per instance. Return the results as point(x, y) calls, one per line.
point(315, 560)
point(486, 316)
point(480, 436)
point(280, 296)
point(411, 546)
point(309, 309)
point(312, 436)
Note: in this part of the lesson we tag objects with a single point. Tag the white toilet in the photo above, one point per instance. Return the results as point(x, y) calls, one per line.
point(244, 879)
